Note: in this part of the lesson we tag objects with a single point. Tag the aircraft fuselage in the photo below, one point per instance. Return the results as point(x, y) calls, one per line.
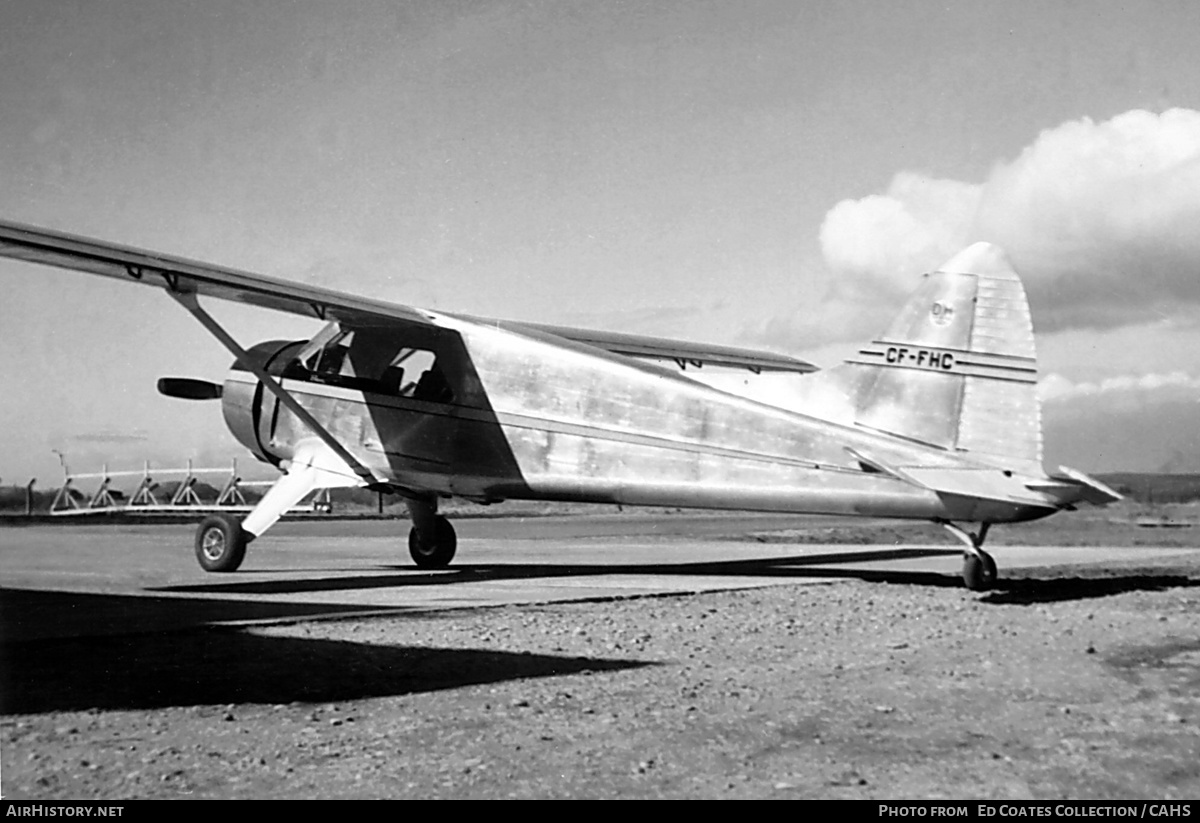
point(525, 418)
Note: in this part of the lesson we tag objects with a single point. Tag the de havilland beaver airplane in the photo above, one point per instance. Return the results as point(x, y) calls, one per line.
point(937, 419)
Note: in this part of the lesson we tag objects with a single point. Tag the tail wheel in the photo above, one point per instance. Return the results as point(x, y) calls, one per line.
point(979, 571)
point(221, 543)
point(436, 550)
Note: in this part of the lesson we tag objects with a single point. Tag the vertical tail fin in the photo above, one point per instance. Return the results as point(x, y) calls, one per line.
point(957, 368)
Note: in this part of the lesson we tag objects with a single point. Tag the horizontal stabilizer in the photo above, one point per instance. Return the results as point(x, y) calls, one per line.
point(1093, 491)
point(982, 482)
point(1067, 487)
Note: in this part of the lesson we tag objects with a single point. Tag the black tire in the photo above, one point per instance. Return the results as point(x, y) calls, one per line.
point(979, 572)
point(221, 543)
point(989, 570)
point(435, 553)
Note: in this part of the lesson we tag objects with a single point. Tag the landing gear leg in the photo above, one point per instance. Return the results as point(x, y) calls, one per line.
point(431, 541)
point(221, 539)
point(979, 569)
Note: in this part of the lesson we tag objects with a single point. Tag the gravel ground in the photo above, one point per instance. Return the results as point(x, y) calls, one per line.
point(1078, 683)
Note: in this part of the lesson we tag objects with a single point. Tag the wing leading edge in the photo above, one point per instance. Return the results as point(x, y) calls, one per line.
point(183, 276)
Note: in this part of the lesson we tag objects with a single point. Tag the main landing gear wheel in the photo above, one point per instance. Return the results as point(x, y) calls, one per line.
point(221, 543)
point(433, 551)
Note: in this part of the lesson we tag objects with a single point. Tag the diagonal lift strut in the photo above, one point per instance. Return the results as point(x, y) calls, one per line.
point(190, 302)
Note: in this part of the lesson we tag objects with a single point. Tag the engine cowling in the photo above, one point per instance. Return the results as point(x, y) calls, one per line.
point(249, 409)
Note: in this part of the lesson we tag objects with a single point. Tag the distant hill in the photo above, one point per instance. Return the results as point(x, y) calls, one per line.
point(1154, 488)
point(208, 494)
point(12, 499)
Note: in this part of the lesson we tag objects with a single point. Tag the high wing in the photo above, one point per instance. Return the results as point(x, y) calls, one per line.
point(179, 275)
point(182, 276)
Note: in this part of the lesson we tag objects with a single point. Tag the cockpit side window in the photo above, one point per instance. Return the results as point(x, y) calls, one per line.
point(374, 363)
point(423, 378)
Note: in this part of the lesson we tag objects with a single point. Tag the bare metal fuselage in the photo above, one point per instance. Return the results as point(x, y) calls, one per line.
point(532, 418)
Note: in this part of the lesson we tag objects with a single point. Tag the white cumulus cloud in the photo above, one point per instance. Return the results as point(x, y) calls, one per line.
point(917, 224)
point(1056, 388)
point(1102, 220)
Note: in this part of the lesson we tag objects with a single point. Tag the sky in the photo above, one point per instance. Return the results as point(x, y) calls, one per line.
point(773, 175)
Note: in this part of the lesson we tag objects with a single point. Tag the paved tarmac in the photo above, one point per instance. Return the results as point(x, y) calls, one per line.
point(102, 579)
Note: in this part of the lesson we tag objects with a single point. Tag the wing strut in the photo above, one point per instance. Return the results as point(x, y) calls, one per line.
point(190, 302)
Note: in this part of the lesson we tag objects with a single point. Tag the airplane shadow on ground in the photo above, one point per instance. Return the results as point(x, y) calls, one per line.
point(63, 651)
point(404, 576)
point(1026, 591)
point(1008, 590)
point(206, 665)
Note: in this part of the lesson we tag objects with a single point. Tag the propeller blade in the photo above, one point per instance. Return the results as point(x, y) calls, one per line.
point(188, 388)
